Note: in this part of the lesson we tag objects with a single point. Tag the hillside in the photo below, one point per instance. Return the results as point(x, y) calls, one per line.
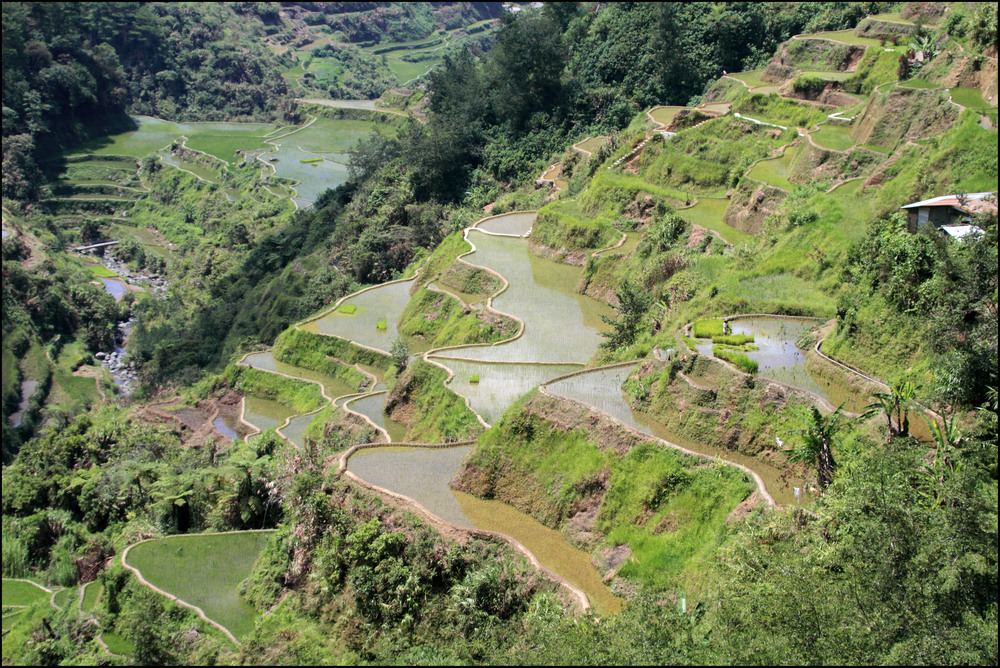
point(601, 336)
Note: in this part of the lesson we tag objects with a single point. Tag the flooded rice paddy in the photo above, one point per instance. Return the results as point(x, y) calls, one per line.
point(225, 428)
point(518, 224)
point(383, 304)
point(498, 386)
point(561, 326)
point(372, 406)
point(264, 413)
point(423, 474)
point(115, 287)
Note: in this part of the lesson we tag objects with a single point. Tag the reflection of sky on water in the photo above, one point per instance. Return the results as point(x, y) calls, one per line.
point(115, 287)
point(423, 474)
point(555, 330)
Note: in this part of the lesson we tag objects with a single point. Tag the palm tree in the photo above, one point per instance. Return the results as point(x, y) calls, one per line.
point(818, 437)
point(895, 405)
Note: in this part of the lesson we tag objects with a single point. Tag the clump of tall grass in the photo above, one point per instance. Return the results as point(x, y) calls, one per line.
point(741, 361)
point(733, 339)
point(708, 329)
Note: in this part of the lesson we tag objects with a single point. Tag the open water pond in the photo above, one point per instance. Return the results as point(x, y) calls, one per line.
point(115, 287)
point(225, 428)
point(383, 304)
point(499, 385)
point(602, 390)
point(560, 326)
point(264, 413)
point(423, 474)
point(518, 224)
point(334, 387)
point(312, 177)
point(372, 406)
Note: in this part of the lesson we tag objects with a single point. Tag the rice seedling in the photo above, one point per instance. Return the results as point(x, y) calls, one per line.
point(741, 361)
point(707, 329)
point(733, 339)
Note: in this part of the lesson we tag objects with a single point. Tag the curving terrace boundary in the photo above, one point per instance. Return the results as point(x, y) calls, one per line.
point(201, 613)
point(577, 594)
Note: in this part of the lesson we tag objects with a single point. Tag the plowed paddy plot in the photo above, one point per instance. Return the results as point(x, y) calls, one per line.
point(775, 171)
point(834, 137)
point(22, 593)
point(205, 571)
point(422, 474)
point(498, 386)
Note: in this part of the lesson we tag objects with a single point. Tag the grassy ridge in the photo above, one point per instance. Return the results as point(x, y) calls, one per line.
point(441, 320)
point(309, 351)
point(432, 413)
point(667, 507)
point(300, 396)
point(311, 346)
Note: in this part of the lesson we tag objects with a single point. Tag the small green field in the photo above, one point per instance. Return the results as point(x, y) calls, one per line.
point(708, 213)
point(827, 75)
point(751, 77)
point(846, 36)
point(591, 144)
point(661, 115)
point(836, 137)
point(101, 270)
point(116, 644)
point(205, 571)
point(91, 594)
point(22, 593)
point(775, 171)
point(223, 139)
point(327, 135)
point(406, 71)
point(971, 98)
point(918, 83)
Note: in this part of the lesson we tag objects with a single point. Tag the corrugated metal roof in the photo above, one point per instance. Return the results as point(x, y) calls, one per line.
point(961, 231)
point(974, 202)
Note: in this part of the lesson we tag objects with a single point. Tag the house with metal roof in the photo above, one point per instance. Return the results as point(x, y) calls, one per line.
point(952, 214)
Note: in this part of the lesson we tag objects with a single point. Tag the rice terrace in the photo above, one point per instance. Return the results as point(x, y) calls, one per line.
point(500, 333)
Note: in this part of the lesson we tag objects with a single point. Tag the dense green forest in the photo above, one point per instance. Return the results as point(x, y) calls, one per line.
point(746, 158)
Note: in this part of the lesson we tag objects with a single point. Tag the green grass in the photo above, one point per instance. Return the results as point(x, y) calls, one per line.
point(116, 644)
point(775, 171)
point(308, 160)
point(828, 75)
point(708, 213)
point(733, 339)
point(299, 396)
point(347, 309)
point(439, 414)
point(334, 135)
point(91, 594)
point(707, 329)
point(971, 98)
point(918, 83)
point(66, 598)
point(741, 361)
point(751, 77)
point(846, 36)
point(16, 592)
point(591, 144)
point(834, 137)
point(692, 344)
point(205, 571)
point(102, 271)
point(407, 71)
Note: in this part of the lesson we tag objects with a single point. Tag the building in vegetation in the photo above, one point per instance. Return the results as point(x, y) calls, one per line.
point(952, 214)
